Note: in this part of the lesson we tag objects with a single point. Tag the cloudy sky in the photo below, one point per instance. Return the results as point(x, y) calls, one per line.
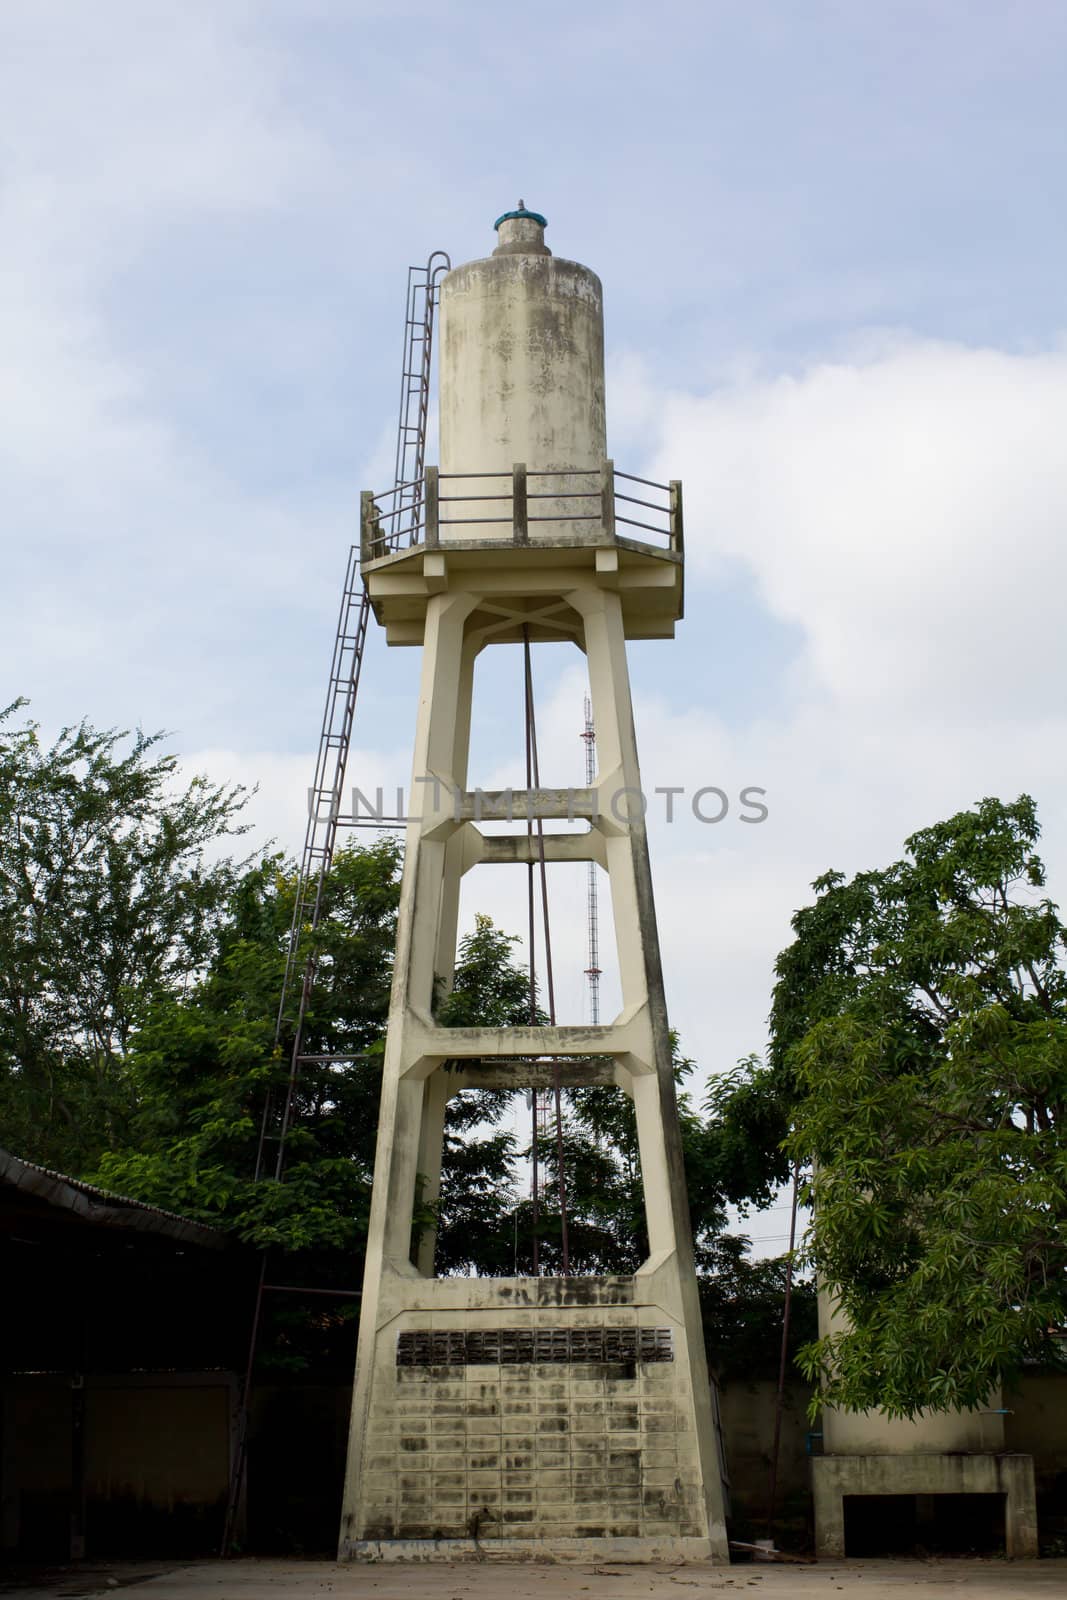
point(832, 241)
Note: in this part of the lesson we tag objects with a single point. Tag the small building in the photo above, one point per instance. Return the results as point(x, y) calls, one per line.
point(123, 1331)
point(929, 1476)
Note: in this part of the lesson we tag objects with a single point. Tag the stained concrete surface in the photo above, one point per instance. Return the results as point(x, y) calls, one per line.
point(493, 1580)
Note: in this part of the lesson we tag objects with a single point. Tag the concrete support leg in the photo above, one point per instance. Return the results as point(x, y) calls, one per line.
point(435, 1097)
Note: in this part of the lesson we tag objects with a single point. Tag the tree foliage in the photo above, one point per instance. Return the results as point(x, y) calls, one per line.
point(201, 1064)
point(109, 898)
point(140, 970)
point(920, 1037)
point(476, 1215)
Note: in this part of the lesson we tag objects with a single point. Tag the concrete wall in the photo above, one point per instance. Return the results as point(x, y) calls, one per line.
point(152, 1472)
point(165, 1445)
point(566, 1451)
point(747, 1413)
point(870, 1433)
point(1008, 1478)
point(1036, 1424)
point(157, 1461)
point(1036, 1420)
point(35, 1469)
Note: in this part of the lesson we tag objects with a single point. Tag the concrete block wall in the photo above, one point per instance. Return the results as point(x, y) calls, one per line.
point(576, 1450)
point(512, 1453)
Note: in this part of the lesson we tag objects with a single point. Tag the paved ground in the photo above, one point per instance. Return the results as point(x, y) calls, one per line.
point(492, 1580)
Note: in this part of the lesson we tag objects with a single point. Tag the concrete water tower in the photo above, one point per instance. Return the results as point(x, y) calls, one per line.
point(537, 1413)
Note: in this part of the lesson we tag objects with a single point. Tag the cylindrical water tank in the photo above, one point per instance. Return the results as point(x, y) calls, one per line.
point(521, 380)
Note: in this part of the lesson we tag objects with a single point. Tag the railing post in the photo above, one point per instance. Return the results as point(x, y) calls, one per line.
point(368, 526)
point(677, 529)
point(519, 509)
point(433, 526)
point(607, 497)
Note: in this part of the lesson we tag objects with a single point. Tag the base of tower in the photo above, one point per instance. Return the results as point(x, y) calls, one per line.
point(607, 1547)
point(533, 1418)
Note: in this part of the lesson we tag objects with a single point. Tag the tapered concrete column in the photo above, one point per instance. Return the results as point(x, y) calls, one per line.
point(438, 773)
point(435, 1097)
point(452, 872)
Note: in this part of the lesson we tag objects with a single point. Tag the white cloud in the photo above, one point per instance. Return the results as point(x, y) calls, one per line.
point(906, 508)
point(889, 506)
point(134, 550)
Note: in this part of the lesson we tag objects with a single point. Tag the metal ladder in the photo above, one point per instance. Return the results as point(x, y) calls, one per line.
point(320, 840)
point(326, 794)
point(423, 294)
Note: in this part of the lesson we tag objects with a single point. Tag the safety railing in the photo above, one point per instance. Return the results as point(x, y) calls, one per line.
point(585, 505)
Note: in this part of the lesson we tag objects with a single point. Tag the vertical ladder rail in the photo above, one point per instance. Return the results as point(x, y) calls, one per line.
point(335, 739)
point(327, 789)
point(320, 837)
point(410, 464)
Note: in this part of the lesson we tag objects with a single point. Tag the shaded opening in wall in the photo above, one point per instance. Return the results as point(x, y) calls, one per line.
point(924, 1524)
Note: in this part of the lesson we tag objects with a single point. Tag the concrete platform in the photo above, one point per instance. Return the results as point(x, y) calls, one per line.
point(490, 1580)
point(1007, 1475)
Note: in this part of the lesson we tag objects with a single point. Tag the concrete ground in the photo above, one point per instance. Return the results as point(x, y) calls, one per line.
point(492, 1580)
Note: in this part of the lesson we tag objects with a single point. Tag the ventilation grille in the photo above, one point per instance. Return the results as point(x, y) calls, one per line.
point(519, 1346)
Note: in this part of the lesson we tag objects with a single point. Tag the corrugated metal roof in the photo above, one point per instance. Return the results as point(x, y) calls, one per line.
point(101, 1206)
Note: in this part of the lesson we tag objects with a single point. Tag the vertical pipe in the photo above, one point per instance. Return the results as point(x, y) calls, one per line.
point(530, 938)
point(535, 771)
point(592, 971)
point(779, 1398)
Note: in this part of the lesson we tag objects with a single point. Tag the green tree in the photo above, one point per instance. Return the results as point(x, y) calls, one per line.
point(201, 1064)
point(110, 895)
point(476, 1213)
point(920, 1041)
point(140, 970)
point(742, 1301)
point(607, 1229)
